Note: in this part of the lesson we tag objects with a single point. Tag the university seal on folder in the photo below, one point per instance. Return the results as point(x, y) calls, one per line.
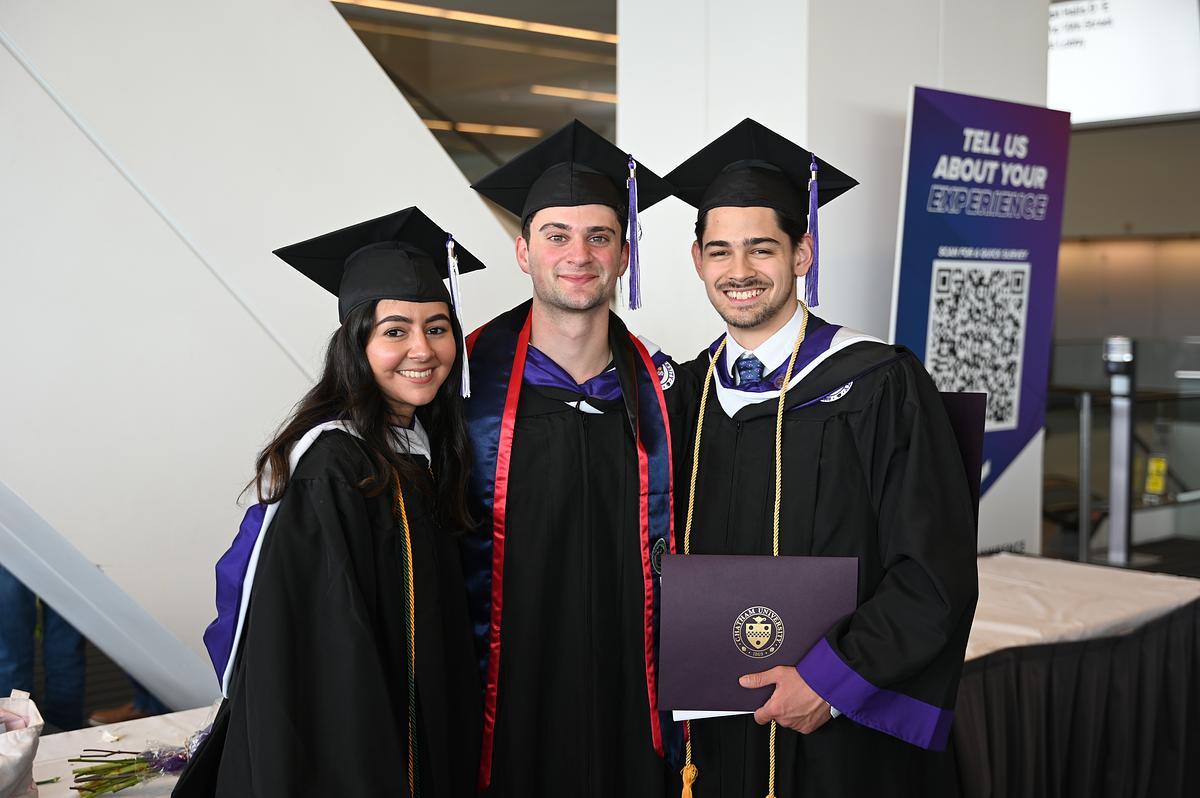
point(776, 607)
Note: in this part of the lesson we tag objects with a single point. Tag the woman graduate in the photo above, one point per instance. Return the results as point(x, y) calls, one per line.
point(342, 640)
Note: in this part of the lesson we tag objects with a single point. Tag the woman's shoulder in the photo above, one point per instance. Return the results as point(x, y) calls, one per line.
point(334, 455)
point(340, 455)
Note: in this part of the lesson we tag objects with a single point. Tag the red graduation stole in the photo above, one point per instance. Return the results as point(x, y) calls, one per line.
point(497, 351)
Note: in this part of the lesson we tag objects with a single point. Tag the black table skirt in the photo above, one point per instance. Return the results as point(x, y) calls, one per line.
point(1114, 716)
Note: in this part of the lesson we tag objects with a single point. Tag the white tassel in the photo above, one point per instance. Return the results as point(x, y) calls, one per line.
point(456, 299)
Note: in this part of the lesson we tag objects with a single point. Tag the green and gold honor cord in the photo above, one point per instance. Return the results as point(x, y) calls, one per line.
point(410, 633)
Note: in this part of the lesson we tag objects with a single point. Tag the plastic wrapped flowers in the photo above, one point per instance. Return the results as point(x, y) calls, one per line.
point(104, 772)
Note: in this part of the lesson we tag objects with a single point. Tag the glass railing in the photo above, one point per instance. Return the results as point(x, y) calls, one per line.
point(1163, 365)
point(1165, 470)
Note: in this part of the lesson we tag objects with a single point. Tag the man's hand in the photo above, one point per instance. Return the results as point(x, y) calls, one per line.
point(793, 704)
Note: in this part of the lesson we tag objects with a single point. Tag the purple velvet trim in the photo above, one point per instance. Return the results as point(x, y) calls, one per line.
point(635, 272)
point(813, 347)
point(810, 279)
point(543, 372)
point(231, 575)
point(899, 715)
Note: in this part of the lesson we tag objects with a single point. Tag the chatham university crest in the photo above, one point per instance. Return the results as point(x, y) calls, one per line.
point(666, 374)
point(758, 632)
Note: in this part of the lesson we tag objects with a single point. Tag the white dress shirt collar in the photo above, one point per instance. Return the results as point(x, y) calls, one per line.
point(773, 352)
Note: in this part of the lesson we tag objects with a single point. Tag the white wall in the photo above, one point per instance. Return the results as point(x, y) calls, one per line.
point(153, 154)
point(835, 77)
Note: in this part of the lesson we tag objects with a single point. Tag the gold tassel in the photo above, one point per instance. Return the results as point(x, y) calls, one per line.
point(689, 774)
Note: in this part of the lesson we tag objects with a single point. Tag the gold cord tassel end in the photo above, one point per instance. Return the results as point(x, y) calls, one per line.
point(689, 774)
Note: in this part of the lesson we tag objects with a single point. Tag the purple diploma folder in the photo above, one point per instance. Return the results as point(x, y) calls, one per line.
point(726, 616)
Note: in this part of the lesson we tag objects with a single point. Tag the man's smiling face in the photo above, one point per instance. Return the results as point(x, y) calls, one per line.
point(749, 266)
point(574, 256)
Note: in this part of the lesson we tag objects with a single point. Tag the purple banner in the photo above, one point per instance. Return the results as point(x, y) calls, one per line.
point(980, 222)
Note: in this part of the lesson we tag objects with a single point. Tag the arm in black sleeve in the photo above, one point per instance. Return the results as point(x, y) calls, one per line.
point(894, 664)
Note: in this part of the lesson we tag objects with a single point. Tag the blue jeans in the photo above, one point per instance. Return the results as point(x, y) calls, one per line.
point(145, 702)
point(63, 659)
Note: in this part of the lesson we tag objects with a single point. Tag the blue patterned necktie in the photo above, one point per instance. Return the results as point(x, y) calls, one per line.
point(749, 370)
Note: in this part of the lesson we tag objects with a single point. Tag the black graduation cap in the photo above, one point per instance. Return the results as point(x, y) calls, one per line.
point(573, 166)
point(753, 166)
point(577, 166)
point(403, 255)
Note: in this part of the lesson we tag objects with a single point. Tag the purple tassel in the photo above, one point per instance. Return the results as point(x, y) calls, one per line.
point(810, 280)
point(635, 276)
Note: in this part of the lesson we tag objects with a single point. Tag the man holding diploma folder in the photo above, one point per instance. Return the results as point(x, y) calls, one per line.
point(815, 440)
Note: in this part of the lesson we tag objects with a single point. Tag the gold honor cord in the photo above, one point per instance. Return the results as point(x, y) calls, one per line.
point(410, 623)
point(690, 772)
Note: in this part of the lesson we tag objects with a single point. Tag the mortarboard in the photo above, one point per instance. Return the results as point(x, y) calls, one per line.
point(577, 166)
point(753, 166)
point(403, 255)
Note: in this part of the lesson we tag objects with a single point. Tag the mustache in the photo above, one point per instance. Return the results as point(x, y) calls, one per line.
point(735, 284)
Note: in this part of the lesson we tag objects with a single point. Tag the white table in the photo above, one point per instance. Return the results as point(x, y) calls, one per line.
point(136, 735)
point(1025, 601)
point(1072, 671)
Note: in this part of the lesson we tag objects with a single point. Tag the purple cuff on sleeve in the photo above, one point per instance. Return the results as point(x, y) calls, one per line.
point(899, 715)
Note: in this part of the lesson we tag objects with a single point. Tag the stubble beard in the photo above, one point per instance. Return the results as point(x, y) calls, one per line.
point(549, 296)
point(750, 318)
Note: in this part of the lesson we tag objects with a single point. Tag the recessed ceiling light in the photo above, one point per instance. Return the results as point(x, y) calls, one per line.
point(484, 42)
point(484, 19)
point(483, 129)
point(574, 94)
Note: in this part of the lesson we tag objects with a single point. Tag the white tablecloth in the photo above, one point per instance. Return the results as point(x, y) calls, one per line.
point(136, 735)
point(1029, 600)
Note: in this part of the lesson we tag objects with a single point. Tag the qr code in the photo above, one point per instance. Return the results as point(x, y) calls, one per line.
point(976, 336)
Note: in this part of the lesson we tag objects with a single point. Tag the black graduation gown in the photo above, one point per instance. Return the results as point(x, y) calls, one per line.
point(318, 704)
point(573, 708)
point(874, 474)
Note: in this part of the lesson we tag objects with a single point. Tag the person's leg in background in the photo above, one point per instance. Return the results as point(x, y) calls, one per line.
point(145, 702)
point(18, 618)
point(65, 664)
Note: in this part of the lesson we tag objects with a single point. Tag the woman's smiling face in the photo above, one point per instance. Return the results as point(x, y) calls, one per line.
point(411, 351)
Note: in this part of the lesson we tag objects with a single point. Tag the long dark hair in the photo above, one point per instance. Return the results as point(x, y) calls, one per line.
point(347, 390)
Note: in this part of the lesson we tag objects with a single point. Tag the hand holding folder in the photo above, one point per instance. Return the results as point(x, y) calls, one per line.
point(724, 616)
